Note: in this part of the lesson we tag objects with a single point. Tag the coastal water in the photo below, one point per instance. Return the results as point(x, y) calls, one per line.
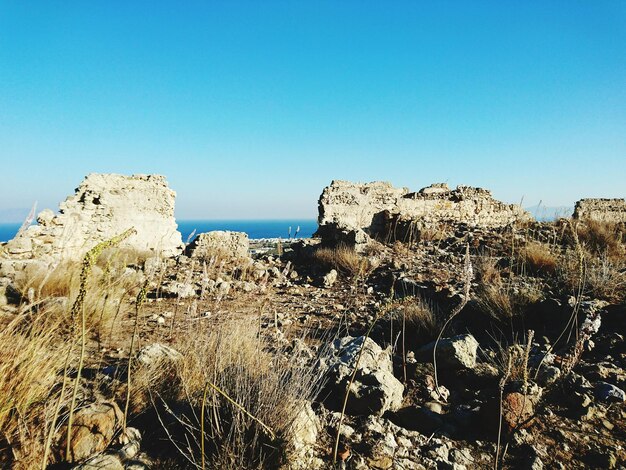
point(254, 228)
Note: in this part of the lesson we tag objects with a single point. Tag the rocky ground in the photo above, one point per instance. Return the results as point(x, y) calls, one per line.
point(432, 329)
point(529, 369)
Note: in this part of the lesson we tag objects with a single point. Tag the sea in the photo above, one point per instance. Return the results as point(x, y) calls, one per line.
point(256, 229)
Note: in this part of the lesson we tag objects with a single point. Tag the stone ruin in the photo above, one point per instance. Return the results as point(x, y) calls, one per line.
point(219, 243)
point(601, 210)
point(355, 213)
point(103, 206)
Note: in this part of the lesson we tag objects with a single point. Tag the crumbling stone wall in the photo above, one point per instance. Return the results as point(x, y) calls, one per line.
point(218, 243)
point(104, 205)
point(354, 213)
point(601, 210)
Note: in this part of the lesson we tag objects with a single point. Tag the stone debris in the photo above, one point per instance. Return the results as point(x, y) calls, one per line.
point(355, 213)
point(375, 389)
point(601, 210)
point(330, 278)
point(458, 352)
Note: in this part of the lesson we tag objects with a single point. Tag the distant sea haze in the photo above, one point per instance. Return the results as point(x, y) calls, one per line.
point(254, 228)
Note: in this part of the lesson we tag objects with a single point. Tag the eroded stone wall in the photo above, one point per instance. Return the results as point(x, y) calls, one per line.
point(103, 206)
point(355, 212)
point(601, 210)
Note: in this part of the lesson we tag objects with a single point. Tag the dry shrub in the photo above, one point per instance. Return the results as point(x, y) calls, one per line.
point(603, 277)
point(512, 360)
point(536, 258)
point(605, 280)
point(235, 359)
point(347, 260)
point(436, 233)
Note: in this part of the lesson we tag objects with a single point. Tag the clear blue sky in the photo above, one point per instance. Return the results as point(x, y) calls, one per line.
point(251, 108)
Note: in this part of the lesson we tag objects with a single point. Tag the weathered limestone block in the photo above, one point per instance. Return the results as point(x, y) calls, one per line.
point(219, 244)
point(354, 213)
point(104, 206)
point(601, 210)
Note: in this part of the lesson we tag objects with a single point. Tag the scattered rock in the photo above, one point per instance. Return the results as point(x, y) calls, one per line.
point(609, 393)
point(375, 389)
point(458, 352)
point(330, 278)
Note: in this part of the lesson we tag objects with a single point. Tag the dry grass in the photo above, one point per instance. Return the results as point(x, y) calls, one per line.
point(602, 238)
point(417, 316)
point(31, 358)
point(605, 279)
point(346, 260)
point(538, 259)
point(498, 294)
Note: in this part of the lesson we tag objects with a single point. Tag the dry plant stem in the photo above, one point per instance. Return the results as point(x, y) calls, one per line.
point(581, 282)
point(404, 345)
point(468, 271)
point(503, 381)
point(265, 427)
point(88, 261)
point(204, 394)
point(352, 377)
point(141, 297)
point(57, 410)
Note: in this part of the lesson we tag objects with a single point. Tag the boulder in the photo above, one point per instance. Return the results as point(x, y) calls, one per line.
point(102, 462)
point(301, 440)
point(156, 353)
point(375, 389)
point(93, 429)
point(609, 393)
point(457, 352)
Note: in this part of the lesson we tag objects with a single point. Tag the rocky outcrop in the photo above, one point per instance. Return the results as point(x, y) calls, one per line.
point(354, 213)
point(103, 206)
point(601, 210)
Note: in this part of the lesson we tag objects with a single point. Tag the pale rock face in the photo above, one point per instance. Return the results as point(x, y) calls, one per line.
point(601, 210)
point(354, 213)
point(104, 205)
